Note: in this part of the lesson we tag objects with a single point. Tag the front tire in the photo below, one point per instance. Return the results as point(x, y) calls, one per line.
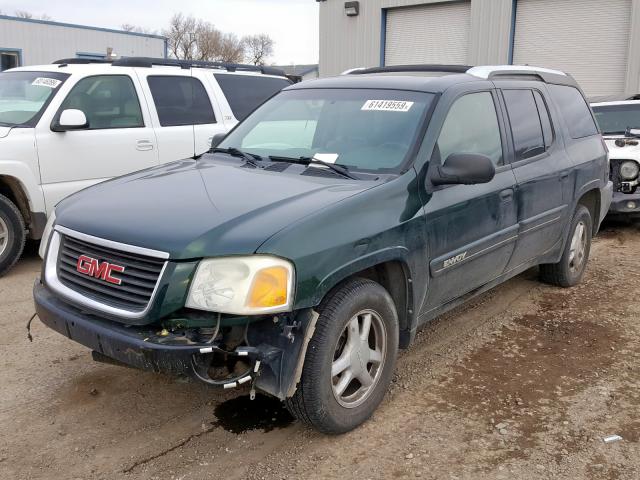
point(350, 358)
point(571, 267)
point(12, 234)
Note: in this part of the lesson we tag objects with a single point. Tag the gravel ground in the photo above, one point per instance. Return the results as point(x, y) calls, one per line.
point(524, 383)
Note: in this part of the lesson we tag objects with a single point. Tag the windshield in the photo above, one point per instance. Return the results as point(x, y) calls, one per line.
point(24, 96)
point(615, 119)
point(371, 130)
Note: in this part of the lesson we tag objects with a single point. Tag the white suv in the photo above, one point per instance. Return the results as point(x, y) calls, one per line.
point(69, 125)
point(619, 121)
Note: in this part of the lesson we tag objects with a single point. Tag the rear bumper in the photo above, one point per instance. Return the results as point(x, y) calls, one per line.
point(625, 203)
point(137, 347)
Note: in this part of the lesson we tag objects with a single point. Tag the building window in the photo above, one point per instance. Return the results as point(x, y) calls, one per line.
point(9, 59)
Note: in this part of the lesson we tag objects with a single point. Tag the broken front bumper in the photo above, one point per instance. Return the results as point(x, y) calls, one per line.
point(275, 361)
point(625, 204)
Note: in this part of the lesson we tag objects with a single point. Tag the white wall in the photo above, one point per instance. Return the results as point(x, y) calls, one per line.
point(42, 42)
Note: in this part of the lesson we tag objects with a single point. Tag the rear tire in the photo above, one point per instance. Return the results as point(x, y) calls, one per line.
point(356, 337)
point(571, 267)
point(12, 234)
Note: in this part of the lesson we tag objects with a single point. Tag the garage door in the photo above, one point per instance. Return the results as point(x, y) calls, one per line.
point(587, 38)
point(428, 34)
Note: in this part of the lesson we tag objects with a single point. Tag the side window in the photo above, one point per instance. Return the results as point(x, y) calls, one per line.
point(471, 126)
point(180, 101)
point(525, 123)
point(108, 101)
point(245, 93)
point(545, 119)
point(575, 110)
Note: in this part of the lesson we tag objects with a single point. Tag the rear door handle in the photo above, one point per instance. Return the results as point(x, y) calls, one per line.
point(144, 145)
point(506, 195)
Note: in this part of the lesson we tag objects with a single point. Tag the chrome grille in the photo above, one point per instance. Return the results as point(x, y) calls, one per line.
point(139, 278)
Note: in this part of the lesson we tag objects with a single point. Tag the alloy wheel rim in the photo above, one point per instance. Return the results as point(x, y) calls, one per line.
point(358, 359)
point(4, 236)
point(578, 247)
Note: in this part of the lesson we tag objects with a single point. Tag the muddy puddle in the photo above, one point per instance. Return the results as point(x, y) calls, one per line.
point(242, 414)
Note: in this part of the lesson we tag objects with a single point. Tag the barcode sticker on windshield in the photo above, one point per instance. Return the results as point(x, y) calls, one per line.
point(387, 105)
point(46, 82)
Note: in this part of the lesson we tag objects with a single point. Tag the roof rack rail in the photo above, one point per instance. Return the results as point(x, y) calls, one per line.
point(410, 68)
point(488, 72)
point(80, 61)
point(148, 62)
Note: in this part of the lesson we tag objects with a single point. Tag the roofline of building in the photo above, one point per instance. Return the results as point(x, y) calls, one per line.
point(312, 68)
point(85, 27)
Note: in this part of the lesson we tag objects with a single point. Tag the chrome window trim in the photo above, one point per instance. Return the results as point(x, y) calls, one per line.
point(54, 283)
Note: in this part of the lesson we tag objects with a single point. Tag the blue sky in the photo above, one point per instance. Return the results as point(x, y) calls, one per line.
point(293, 24)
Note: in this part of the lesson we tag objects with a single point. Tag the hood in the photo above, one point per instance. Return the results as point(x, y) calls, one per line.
point(200, 208)
point(4, 131)
point(631, 152)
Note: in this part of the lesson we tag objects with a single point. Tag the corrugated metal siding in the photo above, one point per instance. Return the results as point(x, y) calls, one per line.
point(428, 34)
point(43, 43)
point(490, 32)
point(349, 42)
point(587, 38)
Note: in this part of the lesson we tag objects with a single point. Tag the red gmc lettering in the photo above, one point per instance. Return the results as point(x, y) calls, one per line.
point(102, 270)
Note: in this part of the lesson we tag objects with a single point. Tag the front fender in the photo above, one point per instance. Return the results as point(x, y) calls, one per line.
point(399, 254)
point(29, 183)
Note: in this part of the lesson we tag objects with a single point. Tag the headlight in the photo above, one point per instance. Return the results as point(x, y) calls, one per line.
point(242, 285)
point(46, 235)
point(629, 170)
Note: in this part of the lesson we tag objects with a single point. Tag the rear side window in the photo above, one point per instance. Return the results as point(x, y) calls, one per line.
point(575, 111)
point(245, 93)
point(181, 101)
point(525, 123)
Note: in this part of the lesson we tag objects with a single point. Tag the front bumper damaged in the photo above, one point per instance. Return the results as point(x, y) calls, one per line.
point(275, 351)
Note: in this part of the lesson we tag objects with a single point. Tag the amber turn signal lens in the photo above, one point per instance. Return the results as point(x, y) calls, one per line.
point(269, 288)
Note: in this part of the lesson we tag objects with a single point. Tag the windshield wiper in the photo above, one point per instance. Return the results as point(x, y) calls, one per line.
point(339, 169)
point(250, 158)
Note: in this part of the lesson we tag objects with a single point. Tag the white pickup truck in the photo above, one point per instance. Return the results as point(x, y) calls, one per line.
point(74, 123)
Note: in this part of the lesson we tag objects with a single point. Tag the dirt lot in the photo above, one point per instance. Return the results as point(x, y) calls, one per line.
point(524, 383)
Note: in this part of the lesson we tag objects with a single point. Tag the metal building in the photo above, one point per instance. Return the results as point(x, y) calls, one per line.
point(597, 41)
point(31, 42)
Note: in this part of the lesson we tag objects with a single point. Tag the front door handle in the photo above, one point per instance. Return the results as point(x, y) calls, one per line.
point(506, 195)
point(144, 145)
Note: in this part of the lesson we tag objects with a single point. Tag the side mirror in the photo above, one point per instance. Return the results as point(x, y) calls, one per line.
point(70, 119)
point(633, 132)
point(216, 139)
point(465, 169)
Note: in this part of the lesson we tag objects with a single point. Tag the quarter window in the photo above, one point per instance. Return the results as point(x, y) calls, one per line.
point(525, 123)
point(180, 101)
point(245, 93)
point(471, 126)
point(575, 110)
point(108, 101)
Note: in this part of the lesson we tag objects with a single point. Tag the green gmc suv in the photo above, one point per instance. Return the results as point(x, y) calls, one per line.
point(313, 241)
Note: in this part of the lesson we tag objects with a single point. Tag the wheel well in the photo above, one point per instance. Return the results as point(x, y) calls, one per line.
point(591, 200)
point(10, 187)
point(394, 277)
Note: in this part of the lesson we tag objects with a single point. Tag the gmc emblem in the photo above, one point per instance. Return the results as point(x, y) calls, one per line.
point(94, 268)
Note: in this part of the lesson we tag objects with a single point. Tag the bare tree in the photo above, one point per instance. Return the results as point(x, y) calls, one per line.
point(192, 39)
point(26, 14)
point(258, 48)
point(128, 27)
